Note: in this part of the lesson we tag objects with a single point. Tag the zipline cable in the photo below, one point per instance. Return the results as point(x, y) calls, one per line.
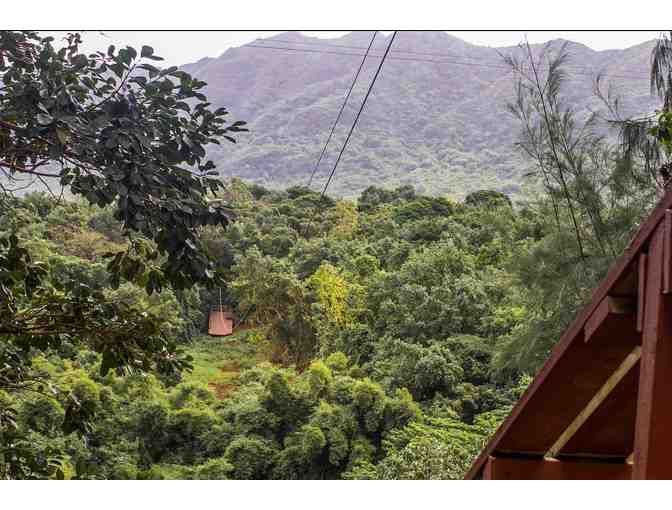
point(338, 117)
point(361, 108)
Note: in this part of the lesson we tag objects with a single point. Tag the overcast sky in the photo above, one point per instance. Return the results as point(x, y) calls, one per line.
point(184, 47)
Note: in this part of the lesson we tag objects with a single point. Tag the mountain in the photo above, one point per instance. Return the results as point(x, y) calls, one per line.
point(441, 127)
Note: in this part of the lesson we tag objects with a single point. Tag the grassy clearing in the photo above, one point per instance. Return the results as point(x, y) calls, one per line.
point(218, 361)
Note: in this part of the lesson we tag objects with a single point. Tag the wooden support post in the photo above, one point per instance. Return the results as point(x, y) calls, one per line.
point(488, 469)
point(653, 442)
point(501, 468)
point(667, 253)
point(641, 291)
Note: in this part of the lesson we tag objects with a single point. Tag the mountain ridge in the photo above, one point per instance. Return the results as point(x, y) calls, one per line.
point(441, 127)
point(436, 118)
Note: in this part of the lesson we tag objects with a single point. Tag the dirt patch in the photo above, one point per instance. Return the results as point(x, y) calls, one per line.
point(223, 390)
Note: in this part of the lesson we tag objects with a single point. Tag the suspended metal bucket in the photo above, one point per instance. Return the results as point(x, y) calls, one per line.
point(220, 323)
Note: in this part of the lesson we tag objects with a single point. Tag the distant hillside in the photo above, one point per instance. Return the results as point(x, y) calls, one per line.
point(442, 128)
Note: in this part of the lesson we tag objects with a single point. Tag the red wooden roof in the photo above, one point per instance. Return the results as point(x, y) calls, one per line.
point(584, 360)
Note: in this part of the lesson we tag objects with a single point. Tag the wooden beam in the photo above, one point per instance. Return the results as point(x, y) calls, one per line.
point(629, 362)
point(502, 468)
point(653, 442)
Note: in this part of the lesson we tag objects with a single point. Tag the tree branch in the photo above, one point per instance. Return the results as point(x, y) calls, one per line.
point(27, 170)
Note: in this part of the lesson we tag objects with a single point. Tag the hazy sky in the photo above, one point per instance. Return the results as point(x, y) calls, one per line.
point(184, 47)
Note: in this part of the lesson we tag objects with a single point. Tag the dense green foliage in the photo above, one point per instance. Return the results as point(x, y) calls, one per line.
point(124, 135)
point(389, 338)
point(375, 329)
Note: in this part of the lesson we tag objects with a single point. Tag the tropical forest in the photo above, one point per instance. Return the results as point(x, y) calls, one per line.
point(380, 329)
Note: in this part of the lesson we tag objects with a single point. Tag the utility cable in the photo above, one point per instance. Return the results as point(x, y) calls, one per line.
point(431, 61)
point(397, 51)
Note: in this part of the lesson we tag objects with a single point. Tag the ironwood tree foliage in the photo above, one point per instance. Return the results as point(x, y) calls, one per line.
point(597, 189)
point(646, 140)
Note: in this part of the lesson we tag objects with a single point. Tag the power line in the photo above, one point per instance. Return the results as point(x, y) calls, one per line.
point(308, 50)
point(409, 59)
point(311, 43)
point(338, 117)
point(361, 108)
point(433, 54)
point(411, 52)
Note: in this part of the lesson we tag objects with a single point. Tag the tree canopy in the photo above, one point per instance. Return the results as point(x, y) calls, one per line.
point(118, 130)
